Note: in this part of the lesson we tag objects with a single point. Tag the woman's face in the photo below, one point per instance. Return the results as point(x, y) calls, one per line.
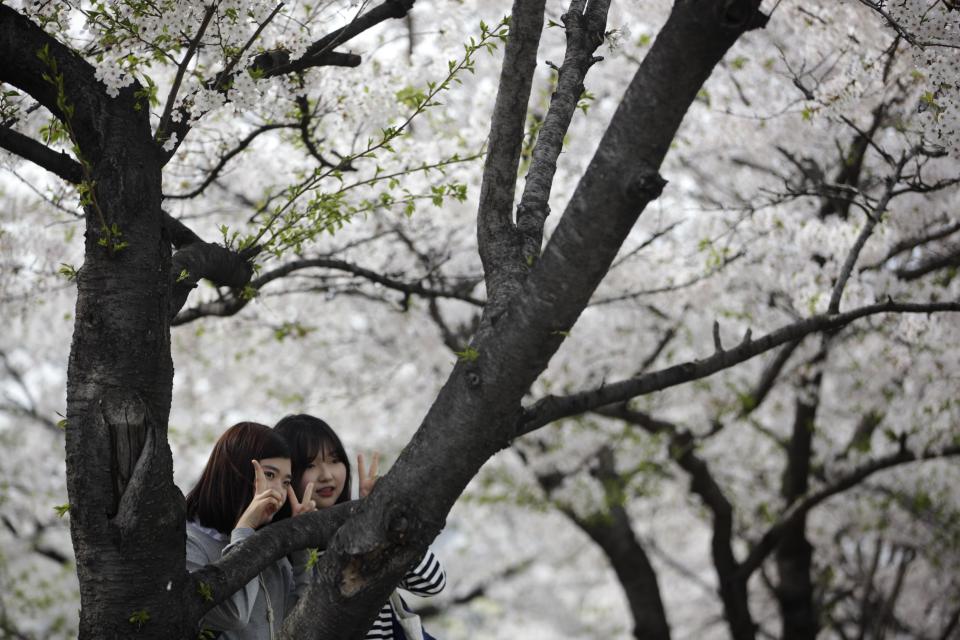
point(328, 473)
point(276, 471)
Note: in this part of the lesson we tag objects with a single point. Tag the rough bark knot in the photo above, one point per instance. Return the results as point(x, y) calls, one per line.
point(645, 186)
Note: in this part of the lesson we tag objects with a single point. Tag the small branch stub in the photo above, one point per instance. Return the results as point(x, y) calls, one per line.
point(646, 186)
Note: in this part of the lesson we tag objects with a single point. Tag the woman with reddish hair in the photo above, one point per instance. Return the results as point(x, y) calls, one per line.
point(245, 483)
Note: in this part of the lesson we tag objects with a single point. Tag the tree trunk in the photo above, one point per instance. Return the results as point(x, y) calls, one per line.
point(613, 533)
point(794, 554)
point(126, 515)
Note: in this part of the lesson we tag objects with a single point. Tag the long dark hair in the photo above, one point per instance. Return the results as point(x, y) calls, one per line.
point(225, 487)
point(307, 437)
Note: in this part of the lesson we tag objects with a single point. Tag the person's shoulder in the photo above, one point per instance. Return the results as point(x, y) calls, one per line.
point(210, 541)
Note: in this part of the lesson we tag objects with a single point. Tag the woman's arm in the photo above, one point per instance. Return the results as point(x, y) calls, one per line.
point(427, 578)
point(234, 612)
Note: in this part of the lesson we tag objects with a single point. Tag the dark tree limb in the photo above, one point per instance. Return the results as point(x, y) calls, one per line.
point(552, 408)
point(794, 553)
point(59, 163)
point(318, 53)
point(234, 303)
point(948, 258)
point(908, 244)
point(584, 28)
point(498, 242)
point(478, 410)
point(182, 69)
point(226, 576)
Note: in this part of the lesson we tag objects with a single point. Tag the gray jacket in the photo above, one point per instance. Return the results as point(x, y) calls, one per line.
point(246, 615)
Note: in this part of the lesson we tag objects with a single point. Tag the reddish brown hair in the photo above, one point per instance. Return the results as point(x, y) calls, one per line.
point(225, 487)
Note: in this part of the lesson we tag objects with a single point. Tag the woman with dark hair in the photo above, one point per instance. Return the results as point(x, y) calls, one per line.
point(245, 483)
point(320, 464)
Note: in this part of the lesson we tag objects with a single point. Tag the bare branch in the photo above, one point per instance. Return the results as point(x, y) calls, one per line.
point(241, 146)
point(847, 481)
point(949, 258)
point(872, 220)
point(59, 163)
point(181, 70)
point(232, 305)
point(584, 34)
point(682, 449)
point(878, 6)
point(499, 243)
point(908, 244)
point(275, 63)
point(551, 408)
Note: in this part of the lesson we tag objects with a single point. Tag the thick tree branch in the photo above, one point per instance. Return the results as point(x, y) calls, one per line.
point(584, 29)
point(613, 532)
point(214, 583)
point(498, 242)
point(198, 260)
point(551, 408)
point(59, 163)
point(233, 304)
point(82, 93)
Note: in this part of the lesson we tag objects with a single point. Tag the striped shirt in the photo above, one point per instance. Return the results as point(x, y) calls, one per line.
point(426, 579)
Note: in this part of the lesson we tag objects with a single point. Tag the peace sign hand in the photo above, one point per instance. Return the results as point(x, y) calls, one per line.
point(297, 507)
point(367, 481)
point(265, 503)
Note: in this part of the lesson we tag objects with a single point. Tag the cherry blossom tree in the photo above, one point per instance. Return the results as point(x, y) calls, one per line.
point(121, 483)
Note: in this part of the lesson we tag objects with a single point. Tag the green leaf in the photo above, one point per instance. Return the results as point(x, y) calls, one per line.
point(68, 271)
point(205, 591)
point(61, 509)
point(139, 617)
point(467, 355)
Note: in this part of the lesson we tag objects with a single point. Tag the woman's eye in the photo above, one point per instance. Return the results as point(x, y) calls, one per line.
point(311, 466)
point(269, 475)
point(286, 483)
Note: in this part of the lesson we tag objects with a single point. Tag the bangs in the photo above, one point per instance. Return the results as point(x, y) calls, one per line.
point(308, 444)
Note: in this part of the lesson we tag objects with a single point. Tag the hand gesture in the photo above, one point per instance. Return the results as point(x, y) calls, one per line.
point(297, 507)
point(367, 481)
point(266, 502)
